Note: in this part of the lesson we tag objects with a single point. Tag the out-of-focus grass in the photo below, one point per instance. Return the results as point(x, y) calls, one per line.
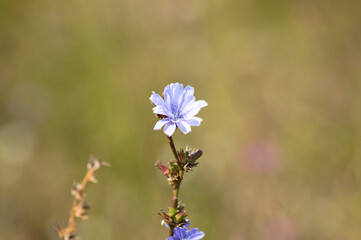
point(281, 134)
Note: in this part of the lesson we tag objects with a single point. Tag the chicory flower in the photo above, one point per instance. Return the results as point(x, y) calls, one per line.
point(178, 107)
point(184, 234)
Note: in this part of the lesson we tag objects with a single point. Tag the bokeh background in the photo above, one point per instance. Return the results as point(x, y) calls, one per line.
point(281, 135)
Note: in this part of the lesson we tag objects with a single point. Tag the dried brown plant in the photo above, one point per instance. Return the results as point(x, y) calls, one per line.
point(80, 208)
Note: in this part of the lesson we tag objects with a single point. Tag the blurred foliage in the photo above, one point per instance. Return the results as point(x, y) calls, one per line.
point(281, 134)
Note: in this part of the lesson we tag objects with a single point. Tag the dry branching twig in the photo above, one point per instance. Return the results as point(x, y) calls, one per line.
point(80, 207)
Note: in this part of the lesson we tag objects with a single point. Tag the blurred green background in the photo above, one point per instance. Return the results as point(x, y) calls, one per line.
point(281, 135)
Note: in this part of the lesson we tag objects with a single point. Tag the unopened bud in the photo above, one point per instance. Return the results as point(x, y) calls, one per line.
point(196, 155)
point(181, 216)
point(162, 167)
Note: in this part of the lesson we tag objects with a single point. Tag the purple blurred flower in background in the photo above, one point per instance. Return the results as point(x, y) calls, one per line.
point(281, 228)
point(261, 156)
point(178, 107)
point(185, 234)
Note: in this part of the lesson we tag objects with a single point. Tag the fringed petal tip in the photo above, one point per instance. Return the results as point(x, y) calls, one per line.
point(157, 99)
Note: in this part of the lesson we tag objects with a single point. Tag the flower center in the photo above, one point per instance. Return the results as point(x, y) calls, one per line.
point(176, 113)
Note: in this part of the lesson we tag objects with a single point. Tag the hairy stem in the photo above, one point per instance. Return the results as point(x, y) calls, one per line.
point(174, 202)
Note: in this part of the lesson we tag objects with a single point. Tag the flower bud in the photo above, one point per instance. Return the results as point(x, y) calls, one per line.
point(196, 155)
point(163, 168)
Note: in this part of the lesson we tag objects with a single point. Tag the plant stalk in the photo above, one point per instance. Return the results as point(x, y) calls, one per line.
point(174, 202)
point(174, 150)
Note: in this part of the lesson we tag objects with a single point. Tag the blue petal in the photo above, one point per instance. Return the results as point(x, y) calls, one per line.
point(173, 94)
point(160, 123)
point(192, 232)
point(167, 90)
point(189, 90)
point(187, 97)
point(197, 236)
point(162, 111)
point(180, 232)
point(171, 238)
point(169, 129)
point(168, 100)
point(157, 99)
point(195, 121)
point(184, 127)
point(177, 91)
point(188, 101)
point(194, 108)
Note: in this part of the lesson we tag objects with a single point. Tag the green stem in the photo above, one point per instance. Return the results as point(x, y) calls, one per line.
point(174, 150)
point(174, 202)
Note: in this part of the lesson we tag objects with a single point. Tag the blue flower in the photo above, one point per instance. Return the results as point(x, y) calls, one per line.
point(179, 107)
point(185, 234)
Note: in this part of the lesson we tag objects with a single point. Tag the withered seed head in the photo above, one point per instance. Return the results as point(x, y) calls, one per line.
point(76, 191)
point(96, 163)
point(81, 210)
